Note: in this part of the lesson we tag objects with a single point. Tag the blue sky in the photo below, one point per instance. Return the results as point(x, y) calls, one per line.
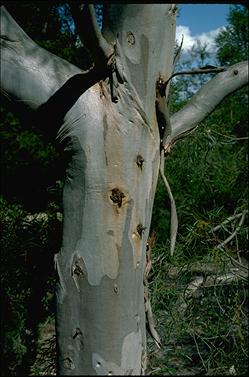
point(202, 21)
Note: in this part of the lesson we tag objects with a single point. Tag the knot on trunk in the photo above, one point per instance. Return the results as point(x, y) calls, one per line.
point(117, 196)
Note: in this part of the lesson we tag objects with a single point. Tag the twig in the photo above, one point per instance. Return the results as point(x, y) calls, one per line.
point(197, 347)
point(177, 55)
point(174, 220)
point(228, 239)
point(231, 137)
point(229, 219)
point(196, 71)
point(235, 261)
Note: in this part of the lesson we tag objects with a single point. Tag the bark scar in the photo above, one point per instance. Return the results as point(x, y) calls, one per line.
point(117, 196)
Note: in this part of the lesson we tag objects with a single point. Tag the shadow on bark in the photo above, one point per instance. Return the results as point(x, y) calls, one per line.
point(50, 115)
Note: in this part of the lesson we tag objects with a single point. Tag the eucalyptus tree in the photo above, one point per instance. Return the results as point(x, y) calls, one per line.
point(115, 126)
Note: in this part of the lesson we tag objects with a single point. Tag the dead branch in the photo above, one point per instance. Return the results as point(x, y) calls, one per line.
point(234, 275)
point(178, 53)
point(200, 282)
point(229, 219)
point(228, 239)
point(197, 71)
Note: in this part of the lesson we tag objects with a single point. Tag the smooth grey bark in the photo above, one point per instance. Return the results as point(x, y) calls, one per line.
point(110, 185)
point(109, 204)
point(108, 120)
point(207, 99)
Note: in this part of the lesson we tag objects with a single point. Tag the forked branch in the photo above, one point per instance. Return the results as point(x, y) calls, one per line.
point(89, 33)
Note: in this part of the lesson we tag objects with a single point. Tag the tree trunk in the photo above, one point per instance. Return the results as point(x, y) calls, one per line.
point(108, 196)
point(113, 143)
point(108, 199)
point(109, 123)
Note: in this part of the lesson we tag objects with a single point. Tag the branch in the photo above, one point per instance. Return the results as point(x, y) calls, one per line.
point(37, 79)
point(89, 33)
point(228, 220)
point(228, 239)
point(177, 55)
point(197, 71)
point(200, 282)
point(29, 73)
point(207, 98)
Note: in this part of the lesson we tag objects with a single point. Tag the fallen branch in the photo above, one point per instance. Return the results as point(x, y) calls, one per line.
point(200, 282)
point(234, 275)
point(228, 239)
point(203, 268)
point(229, 219)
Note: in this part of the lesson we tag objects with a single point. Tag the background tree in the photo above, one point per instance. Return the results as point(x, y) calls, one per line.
point(232, 42)
point(115, 195)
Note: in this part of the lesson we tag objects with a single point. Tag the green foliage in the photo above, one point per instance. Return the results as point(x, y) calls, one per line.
point(232, 42)
point(39, 19)
point(206, 332)
point(27, 282)
point(50, 25)
point(204, 171)
point(29, 163)
point(184, 86)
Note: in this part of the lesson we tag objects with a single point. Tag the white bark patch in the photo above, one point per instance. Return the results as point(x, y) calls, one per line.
point(132, 353)
point(99, 261)
point(104, 368)
point(131, 357)
point(137, 249)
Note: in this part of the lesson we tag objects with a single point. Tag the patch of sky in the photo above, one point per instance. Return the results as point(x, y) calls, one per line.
point(99, 14)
